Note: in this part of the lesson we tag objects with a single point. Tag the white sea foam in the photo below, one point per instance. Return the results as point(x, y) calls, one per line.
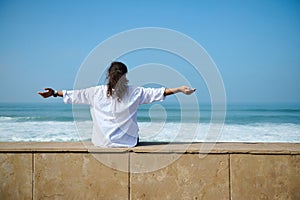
point(168, 132)
point(40, 132)
point(257, 132)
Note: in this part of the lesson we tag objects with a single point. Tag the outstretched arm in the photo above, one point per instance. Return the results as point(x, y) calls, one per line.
point(50, 92)
point(184, 89)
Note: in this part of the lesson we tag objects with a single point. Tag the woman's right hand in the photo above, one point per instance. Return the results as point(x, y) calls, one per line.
point(184, 89)
point(48, 93)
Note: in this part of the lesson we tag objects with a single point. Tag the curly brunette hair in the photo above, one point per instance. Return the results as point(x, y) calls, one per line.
point(117, 81)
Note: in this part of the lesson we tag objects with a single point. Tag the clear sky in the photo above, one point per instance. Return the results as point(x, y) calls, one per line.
point(254, 43)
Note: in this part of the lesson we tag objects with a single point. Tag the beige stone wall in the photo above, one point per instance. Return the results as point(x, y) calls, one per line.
point(16, 176)
point(74, 171)
point(189, 177)
point(265, 176)
point(76, 176)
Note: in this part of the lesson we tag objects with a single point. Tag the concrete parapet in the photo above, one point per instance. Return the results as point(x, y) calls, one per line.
point(16, 176)
point(82, 171)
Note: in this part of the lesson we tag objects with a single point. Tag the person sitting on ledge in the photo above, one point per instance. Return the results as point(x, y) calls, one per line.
point(114, 106)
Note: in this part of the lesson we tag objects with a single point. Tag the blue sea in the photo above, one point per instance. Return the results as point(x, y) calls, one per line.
point(165, 122)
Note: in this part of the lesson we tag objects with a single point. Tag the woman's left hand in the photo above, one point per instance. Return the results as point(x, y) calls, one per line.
point(48, 93)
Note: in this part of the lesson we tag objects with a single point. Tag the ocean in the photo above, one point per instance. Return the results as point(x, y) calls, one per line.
point(44, 122)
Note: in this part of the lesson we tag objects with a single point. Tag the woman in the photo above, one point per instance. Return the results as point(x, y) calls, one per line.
point(114, 106)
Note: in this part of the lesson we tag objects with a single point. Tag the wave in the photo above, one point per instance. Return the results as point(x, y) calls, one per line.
point(35, 119)
point(187, 132)
point(47, 122)
point(153, 131)
point(44, 131)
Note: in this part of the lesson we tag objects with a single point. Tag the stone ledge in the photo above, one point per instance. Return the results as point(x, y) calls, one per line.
point(66, 170)
point(154, 147)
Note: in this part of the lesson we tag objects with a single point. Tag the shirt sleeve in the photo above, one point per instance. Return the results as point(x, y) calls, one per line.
point(149, 95)
point(83, 96)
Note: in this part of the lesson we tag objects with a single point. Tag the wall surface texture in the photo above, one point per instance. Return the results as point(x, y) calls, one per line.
point(81, 171)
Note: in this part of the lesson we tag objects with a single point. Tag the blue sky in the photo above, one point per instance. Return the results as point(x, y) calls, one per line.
point(255, 44)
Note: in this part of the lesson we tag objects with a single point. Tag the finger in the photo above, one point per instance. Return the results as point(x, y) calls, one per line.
point(42, 95)
point(192, 90)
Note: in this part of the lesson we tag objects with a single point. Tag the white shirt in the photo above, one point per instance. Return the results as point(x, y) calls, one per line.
point(114, 122)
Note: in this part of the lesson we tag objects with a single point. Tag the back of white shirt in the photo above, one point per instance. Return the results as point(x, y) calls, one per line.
point(114, 122)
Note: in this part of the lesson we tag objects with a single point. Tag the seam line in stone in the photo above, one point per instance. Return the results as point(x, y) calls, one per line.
point(129, 188)
point(32, 176)
point(229, 173)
